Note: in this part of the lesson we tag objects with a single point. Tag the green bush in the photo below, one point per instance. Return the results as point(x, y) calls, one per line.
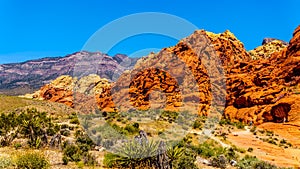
point(209, 149)
point(197, 124)
point(84, 142)
point(5, 162)
point(133, 155)
point(132, 128)
point(32, 160)
point(65, 132)
point(8, 128)
point(74, 121)
point(34, 125)
point(239, 125)
point(89, 159)
point(186, 161)
point(250, 162)
point(220, 162)
point(17, 145)
point(253, 129)
point(110, 160)
point(169, 116)
point(72, 153)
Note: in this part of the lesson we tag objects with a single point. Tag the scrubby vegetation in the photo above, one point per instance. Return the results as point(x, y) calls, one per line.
point(32, 160)
point(250, 162)
point(237, 124)
point(30, 124)
point(31, 129)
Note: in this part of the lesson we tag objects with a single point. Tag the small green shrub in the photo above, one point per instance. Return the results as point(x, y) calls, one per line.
point(250, 149)
point(5, 162)
point(72, 153)
point(250, 162)
point(74, 121)
point(65, 132)
point(32, 160)
point(283, 141)
point(270, 133)
point(65, 160)
point(89, 159)
point(17, 145)
point(186, 161)
point(253, 129)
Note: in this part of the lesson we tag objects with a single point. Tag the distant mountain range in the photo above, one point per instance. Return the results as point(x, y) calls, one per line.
point(29, 76)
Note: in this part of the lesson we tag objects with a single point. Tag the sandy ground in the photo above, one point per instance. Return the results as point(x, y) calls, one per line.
point(289, 157)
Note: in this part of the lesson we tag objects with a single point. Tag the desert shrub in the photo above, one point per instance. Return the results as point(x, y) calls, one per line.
point(74, 121)
point(34, 125)
point(249, 162)
point(132, 128)
point(187, 160)
point(239, 125)
point(89, 159)
point(209, 149)
point(220, 162)
point(230, 154)
point(65, 160)
point(169, 116)
point(17, 145)
point(84, 142)
point(79, 152)
point(283, 141)
point(133, 154)
point(72, 153)
point(253, 129)
point(32, 160)
point(271, 141)
point(30, 124)
point(270, 133)
point(240, 150)
point(65, 132)
point(9, 128)
point(174, 153)
point(250, 149)
point(110, 160)
point(197, 124)
point(5, 162)
point(224, 121)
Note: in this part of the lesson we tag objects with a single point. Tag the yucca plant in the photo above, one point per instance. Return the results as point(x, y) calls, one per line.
point(9, 128)
point(174, 153)
point(134, 154)
point(34, 125)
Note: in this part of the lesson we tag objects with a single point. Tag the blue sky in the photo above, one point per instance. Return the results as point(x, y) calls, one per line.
point(34, 29)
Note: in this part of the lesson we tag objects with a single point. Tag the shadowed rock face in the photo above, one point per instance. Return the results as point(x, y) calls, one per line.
point(280, 112)
point(26, 77)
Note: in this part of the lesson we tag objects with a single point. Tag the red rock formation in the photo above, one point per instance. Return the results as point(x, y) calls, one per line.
point(257, 90)
point(265, 85)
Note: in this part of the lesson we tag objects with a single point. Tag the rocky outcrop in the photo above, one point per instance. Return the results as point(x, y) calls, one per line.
point(67, 90)
point(261, 90)
point(269, 47)
point(26, 77)
point(266, 89)
point(268, 40)
point(228, 47)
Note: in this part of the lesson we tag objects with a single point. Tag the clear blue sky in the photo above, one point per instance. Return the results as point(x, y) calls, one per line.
point(34, 29)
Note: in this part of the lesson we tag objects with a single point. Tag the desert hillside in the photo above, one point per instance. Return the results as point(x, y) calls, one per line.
point(255, 93)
